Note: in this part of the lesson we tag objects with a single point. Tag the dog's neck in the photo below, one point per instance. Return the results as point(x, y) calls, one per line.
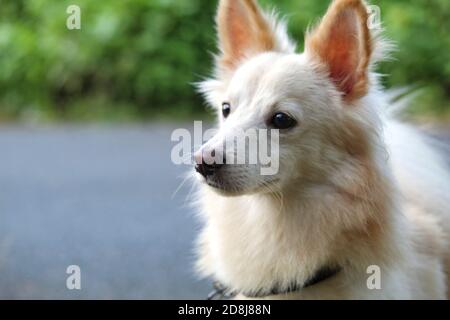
point(258, 241)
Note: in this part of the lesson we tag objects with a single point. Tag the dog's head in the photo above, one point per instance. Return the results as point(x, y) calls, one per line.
point(308, 106)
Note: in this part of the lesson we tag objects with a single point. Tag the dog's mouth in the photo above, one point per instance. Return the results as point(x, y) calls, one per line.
point(237, 188)
point(222, 186)
point(219, 186)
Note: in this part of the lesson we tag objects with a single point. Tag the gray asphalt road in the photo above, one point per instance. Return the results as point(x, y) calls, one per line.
point(100, 198)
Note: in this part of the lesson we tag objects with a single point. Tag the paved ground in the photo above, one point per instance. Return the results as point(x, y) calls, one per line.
point(100, 198)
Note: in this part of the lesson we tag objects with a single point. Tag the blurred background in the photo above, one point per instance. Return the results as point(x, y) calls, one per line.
point(85, 123)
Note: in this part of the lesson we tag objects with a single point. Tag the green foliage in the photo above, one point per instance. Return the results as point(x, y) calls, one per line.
point(139, 58)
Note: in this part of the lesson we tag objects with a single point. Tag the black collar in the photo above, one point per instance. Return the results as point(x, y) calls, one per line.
point(223, 292)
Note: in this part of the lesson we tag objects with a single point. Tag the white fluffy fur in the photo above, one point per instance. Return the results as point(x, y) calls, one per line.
point(389, 208)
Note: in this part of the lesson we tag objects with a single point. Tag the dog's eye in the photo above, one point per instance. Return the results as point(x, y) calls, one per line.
point(282, 121)
point(226, 109)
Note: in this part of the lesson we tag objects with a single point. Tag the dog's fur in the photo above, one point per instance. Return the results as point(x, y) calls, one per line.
point(356, 188)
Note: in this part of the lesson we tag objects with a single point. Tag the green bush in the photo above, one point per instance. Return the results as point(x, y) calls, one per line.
point(138, 58)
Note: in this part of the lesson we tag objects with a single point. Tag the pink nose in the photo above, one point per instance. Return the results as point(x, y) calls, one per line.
point(205, 156)
point(206, 164)
point(198, 157)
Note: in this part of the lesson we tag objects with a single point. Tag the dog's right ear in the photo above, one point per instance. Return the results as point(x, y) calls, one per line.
point(243, 31)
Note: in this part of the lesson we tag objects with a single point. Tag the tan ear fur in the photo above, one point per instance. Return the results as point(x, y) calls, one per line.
point(343, 42)
point(243, 31)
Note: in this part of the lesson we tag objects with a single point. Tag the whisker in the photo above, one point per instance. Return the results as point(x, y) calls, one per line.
point(180, 186)
point(189, 194)
point(277, 194)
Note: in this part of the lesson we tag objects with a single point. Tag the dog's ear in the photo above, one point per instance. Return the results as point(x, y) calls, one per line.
point(342, 41)
point(243, 31)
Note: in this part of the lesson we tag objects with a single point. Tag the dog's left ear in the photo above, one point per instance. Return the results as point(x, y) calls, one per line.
point(244, 31)
point(343, 43)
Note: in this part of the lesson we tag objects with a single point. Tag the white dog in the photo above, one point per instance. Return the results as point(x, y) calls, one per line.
point(360, 206)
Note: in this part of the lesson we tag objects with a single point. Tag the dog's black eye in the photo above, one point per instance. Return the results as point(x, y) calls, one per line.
point(282, 121)
point(226, 109)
